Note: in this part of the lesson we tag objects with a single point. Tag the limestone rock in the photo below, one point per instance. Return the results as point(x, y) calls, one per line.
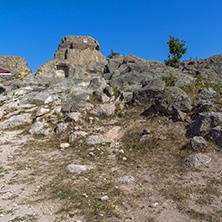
point(92, 140)
point(198, 143)
point(77, 57)
point(77, 135)
point(42, 111)
point(16, 121)
point(205, 100)
point(100, 96)
point(210, 68)
point(104, 110)
point(73, 117)
point(171, 100)
point(64, 146)
point(97, 84)
point(60, 127)
point(197, 160)
point(76, 105)
point(17, 65)
point(36, 128)
point(73, 168)
point(125, 179)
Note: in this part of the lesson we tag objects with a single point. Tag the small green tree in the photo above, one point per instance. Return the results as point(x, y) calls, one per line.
point(112, 54)
point(176, 49)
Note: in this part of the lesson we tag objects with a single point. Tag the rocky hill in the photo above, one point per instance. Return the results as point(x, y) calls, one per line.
point(85, 139)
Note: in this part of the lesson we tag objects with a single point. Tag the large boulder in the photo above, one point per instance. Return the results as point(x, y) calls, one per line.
point(16, 65)
point(146, 95)
point(172, 100)
point(77, 57)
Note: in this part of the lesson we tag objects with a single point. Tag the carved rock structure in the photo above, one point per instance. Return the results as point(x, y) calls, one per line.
point(77, 57)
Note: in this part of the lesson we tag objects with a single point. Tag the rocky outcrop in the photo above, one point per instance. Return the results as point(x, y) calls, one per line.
point(210, 68)
point(77, 57)
point(172, 101)
point(131, 72)
point(16, 65)
point(204, 122)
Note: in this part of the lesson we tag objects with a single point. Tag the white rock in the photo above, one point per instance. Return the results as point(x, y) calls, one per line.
point(126, 179)
point(197, 160)
point(77, 135)
point(16, 121)
point(74, 116)
point(73, 168)
point(64, 145)
point(42, 111)
point(104, 198)
point(92, 140)
point(154, 205)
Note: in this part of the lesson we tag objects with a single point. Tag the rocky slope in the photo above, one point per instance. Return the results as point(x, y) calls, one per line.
point(84, 139)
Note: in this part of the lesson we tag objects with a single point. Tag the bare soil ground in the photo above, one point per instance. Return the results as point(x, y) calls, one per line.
point(34, 185)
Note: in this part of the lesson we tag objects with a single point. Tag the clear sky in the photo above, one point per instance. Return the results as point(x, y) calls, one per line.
point(34, 28)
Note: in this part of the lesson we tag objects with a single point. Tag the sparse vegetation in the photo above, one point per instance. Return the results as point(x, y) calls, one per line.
point(110, 56)
point(169, 80)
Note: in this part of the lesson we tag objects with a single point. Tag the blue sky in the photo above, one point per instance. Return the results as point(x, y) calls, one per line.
point(34, 28)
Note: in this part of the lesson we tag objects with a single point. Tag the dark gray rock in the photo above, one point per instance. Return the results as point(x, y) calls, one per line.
point(204, 122)
point(198, 143)
point(2, 89)
point(147, 94)
point(197, 160)
point(171, 100)
point(216, 134)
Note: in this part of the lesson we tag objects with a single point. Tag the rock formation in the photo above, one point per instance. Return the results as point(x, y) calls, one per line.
point(17, 65)
point(77, 57)
point(124, 130)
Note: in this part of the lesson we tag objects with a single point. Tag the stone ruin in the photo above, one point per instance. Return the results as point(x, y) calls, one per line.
point(77, 57)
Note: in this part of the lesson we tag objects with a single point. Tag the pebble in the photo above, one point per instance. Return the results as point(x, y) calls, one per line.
point(124, 158)
point(64, 145)
point(104, 198)
point(153, 205)
point(162, 137)
point(91, 154)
